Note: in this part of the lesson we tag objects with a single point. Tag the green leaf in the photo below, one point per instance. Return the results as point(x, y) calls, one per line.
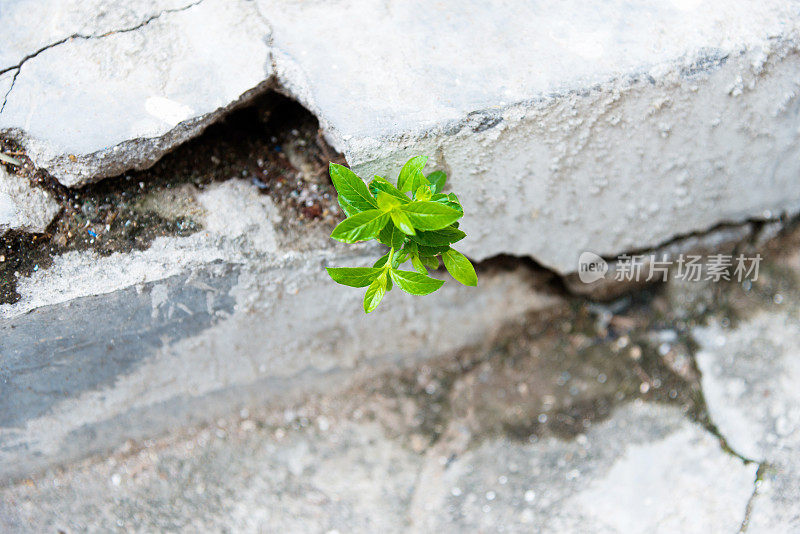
point(382, 261)
point(423, 192)
point(354, 276)
point(460, 267)
point(446, 200)
point(405, 181)
point(391, 236)
point(385, 235)
point(418, 227)
point(428, 215)
point(351, 188)
point(375, 292)
point(348, 209)
point(431, 262)
point(361, 226)
point(402, 222)
point(432, 251)
point(398, 236)
point(387, 202)
point(418, 265)
point(438, 238)
point(454, 199)
point(382, 184)
point(415, 283)
point(418, 181)
point(437, 180)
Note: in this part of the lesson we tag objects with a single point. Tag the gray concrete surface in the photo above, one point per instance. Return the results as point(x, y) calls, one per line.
point(647, 469)
point(582, 418)
point(657, 121)
point(617, 129)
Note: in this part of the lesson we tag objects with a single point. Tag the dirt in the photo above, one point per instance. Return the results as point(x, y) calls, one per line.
point(274, 143)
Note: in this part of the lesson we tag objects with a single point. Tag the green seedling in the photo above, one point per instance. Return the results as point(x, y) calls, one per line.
point(418, 228)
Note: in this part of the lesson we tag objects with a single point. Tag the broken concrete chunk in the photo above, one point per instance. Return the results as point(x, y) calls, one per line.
point(95, 107)
point(22, 207)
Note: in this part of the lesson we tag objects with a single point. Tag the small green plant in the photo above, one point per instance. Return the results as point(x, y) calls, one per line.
point(419, 229)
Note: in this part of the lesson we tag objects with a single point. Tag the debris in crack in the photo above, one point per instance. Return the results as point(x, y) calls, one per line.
point(274, 143)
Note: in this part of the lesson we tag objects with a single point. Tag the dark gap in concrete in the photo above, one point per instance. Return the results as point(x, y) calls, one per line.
point(273, 142)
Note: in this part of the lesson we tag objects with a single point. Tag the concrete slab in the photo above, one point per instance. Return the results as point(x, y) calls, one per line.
point(647, 469)
point(106, 348)
point(606, 126)
point(141, 90)
point(60, 21)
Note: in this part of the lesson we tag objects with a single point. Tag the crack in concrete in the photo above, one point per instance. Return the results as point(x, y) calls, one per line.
point(269, 41)
point(18, 67)
point(763, 466)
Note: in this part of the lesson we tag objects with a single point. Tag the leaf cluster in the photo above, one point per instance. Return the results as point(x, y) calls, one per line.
point(414, 219)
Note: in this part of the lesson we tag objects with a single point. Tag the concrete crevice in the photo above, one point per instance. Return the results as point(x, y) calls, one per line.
point(271, 141)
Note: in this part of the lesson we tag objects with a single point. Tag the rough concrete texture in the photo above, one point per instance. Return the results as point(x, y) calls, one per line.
point(647, 469)
point(233, 315)
point(618, 128)
point(722, 240)
point(750, 377)
point(23, 207)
